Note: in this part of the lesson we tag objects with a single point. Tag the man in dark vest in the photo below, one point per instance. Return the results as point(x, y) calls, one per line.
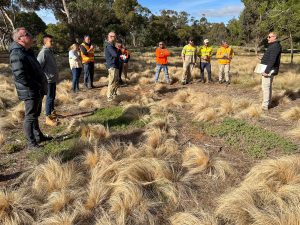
point(271, 59)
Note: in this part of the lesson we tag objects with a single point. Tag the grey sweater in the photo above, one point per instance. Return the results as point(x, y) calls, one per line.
point(48, 63)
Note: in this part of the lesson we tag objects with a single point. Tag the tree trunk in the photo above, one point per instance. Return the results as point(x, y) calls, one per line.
point(292, 47)
point(4, 13)
point(133, 38)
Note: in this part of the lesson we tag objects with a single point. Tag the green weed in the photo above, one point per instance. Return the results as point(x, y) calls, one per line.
point(254, 140)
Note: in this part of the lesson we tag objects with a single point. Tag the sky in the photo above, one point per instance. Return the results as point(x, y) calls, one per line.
point(215, 10)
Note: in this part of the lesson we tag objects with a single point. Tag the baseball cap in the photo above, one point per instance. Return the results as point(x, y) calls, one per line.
point(206, 41)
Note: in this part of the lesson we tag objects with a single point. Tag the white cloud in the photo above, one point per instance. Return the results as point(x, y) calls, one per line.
point(227, 11)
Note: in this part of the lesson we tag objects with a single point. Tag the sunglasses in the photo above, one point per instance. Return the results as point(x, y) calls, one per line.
point(270, 36)
point(161, 44)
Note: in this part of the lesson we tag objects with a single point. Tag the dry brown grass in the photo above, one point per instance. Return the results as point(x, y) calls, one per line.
point(291, 114)
point(269, 194)
point(62, 218)
point(94, 133)
point(54, 176)
point(135, 111)
point(89, 103)
point(144, 81)
point(2, 139)
point(295, 132)
point(16, 207)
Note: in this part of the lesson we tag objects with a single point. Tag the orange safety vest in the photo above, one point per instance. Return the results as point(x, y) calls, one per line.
point(90, 57)
point(162, 56)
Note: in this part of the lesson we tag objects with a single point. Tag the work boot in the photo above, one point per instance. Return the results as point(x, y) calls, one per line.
point(44, 138)
point(50, 121)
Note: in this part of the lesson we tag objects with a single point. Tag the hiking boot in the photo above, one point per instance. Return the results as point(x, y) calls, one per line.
point(183, 82)
point(201, 81)
point(227, 83)
point(265, 108)
point(44, 138)
point(50, 121)
point(210, 81)
point(220, 81)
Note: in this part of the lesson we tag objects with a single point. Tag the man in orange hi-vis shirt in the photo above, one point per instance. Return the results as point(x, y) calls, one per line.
point(161, 62)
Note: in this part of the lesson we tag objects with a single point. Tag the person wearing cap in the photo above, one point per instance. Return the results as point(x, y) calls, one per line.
point(162, 54)
point(204, 54)
point(88, 59)
point(224, 55)
point(189, 59)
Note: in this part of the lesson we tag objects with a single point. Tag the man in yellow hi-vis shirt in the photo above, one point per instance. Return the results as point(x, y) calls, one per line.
point(224, 56)
point(189, 59)
point(204, 54)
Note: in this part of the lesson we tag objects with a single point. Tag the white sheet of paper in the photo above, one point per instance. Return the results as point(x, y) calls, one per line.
point(260, 68)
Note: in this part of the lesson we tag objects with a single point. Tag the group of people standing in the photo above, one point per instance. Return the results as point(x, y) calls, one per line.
point(36, 77)
point(189, 56)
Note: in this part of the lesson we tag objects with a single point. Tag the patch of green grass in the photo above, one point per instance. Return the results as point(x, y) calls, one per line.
point(254, 140)
point(66, 149)
point(12, 148)
point(113, 118)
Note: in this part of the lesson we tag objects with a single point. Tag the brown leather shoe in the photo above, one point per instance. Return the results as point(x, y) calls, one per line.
point(50, 121)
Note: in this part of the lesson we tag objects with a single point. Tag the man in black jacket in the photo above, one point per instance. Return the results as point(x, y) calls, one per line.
point(112, 57)
point(30, 82)
point(271, 59)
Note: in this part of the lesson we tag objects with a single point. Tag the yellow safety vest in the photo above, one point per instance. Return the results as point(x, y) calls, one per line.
point(90, 57)
point(189, 50)
point(224, 51)
point(205, 51)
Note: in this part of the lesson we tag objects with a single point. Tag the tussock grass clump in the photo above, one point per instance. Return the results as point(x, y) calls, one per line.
point(144, 81)
point(89, 103)
point(295, 132)
point(269, 194)
point(291, 114)
point(135, 111)
point(54, 176)
point(253, 111)
point(193, 218)
point(94, 133)
point(195, 158)
point(63, 218)
point(207, 115)
point(103, 91)
point(16, 207)
point(2, 139)
point(17, 113)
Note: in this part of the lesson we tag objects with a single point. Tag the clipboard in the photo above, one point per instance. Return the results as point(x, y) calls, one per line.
point(260, 68)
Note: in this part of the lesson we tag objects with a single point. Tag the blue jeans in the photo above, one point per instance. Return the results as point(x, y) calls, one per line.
point(75, 78)
point(50, 98)
point(206, 65)
point(88, 69)
point(160, 67)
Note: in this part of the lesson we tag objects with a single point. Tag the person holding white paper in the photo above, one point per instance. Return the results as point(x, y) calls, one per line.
point(271, 59)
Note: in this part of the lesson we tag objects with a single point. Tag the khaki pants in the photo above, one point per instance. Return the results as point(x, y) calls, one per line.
point(113, 82)
point(224, 69)
point(187, 71)
point(266, 84)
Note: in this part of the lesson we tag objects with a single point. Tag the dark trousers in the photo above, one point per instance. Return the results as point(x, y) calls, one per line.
point(75, 78)
point(88, 69)
point(50, 98)
point(32, 130)
point(206, 65)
